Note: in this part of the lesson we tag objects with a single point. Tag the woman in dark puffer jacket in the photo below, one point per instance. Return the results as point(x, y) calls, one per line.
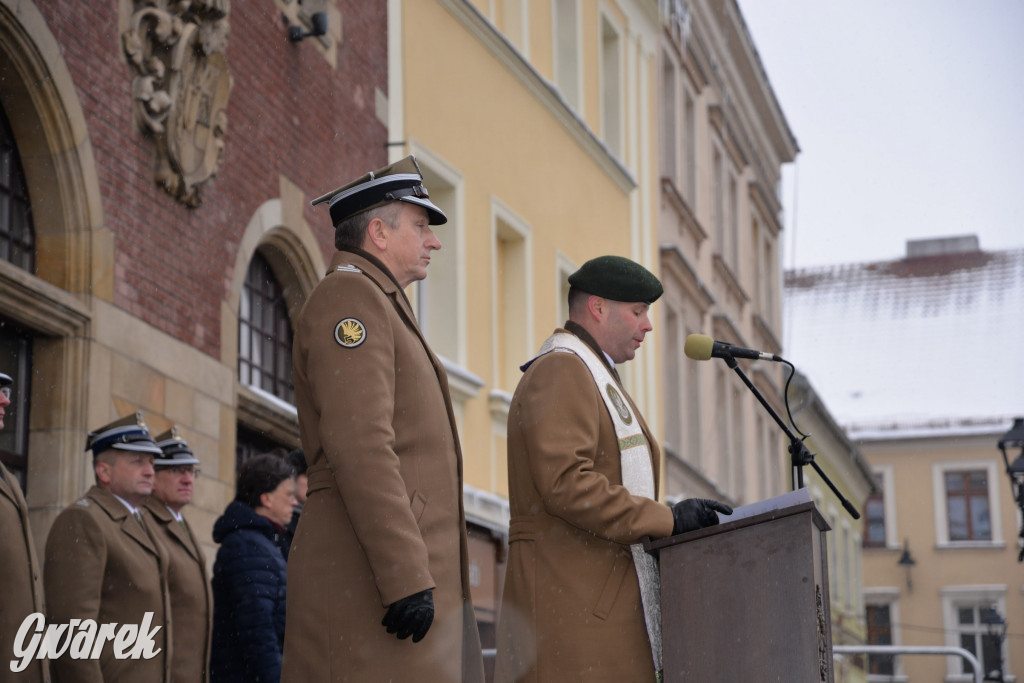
point(249, 576)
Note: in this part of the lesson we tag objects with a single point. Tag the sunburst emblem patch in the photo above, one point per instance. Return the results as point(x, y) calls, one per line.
point(350, 333)
point(620, 405)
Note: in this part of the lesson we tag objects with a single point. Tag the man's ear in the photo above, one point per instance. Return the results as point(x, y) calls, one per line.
point(377, 232)
point(263, 499)
point(597, 306)
point(102, 469)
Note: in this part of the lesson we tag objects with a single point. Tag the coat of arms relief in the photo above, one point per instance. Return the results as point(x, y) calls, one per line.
point(181, 88)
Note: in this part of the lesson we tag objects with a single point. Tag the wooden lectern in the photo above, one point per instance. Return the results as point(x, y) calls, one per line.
point(748, 600)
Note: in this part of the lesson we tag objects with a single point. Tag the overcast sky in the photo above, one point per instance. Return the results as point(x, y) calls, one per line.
point(910, 119)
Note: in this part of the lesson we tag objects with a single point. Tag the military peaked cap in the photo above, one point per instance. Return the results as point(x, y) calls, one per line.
point(127, 434)
point(401, 182)
point(174, 450)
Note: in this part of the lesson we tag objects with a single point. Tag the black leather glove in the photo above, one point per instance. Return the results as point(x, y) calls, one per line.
point(411, 616)
point(696, 513)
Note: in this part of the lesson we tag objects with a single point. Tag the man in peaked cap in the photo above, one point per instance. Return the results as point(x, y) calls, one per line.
point(191, 601)
point(19, 566)
point(581, 598)
point(103, 564)
point(380, 553)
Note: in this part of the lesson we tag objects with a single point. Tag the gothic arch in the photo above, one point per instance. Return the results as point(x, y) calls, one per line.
point(49, 127)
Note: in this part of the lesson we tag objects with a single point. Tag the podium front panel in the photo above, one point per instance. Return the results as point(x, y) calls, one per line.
point(748, 602)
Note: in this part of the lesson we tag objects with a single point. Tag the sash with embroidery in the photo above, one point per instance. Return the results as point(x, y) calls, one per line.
point(637, 473)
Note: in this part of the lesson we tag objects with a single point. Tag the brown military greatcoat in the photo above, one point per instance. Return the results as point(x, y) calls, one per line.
point(384, 518)
point(191, 601)
point(20, 580)
point(571, 609)
point(102, 564)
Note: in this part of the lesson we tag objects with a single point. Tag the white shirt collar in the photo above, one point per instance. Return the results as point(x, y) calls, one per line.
point(177, 515)
point(131, 508)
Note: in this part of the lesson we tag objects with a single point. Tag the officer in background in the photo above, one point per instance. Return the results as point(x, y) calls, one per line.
point(378, 579)
point(103, 564)
point(191, 602)
point(19, 566)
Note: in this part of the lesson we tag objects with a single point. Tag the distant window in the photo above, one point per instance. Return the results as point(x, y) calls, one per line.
point(17, 236)
point(967, 506)
point(880, 633)
point(250, 442)
point(611, 87)
point(874, 516)
point(974, 636)
point(567, 50)
point(265, 333)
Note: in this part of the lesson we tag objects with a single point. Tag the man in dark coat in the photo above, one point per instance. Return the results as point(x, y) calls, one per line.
point(249, 575)
point(19, 565)
point(379, 569)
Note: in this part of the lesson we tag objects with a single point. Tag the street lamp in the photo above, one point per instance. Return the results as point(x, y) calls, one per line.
point(996, 632)
point(1015, 471)
point(907, 560)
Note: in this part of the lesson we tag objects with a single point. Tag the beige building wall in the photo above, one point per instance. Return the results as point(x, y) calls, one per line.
point(937, 598)
point(533, 123)
point(533, 186)
point(722, 142)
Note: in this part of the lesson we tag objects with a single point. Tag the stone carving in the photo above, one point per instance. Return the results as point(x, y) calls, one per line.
point(181, 88)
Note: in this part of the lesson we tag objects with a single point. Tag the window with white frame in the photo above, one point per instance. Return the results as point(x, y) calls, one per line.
point(964, 500)
point(669, 123)
point(611, 86)
point(511, 279)
point(515, 24)
point(874, 515)
point(440, 297)
point(881, 617)
point(966, 612)
point(568, 75)
point(690, 150)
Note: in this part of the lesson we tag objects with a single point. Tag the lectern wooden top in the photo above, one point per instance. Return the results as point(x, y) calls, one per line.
point(787, 504)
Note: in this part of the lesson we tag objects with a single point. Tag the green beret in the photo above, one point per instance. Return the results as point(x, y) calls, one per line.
point(618, 279)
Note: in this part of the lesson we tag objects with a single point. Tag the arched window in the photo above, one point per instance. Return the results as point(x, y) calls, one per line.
point(17, 236)
point(265, 334)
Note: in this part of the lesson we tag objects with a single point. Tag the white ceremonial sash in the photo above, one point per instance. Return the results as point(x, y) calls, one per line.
point(637, 472)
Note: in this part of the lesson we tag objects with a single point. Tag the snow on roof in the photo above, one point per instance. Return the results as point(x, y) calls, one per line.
point(923, 345)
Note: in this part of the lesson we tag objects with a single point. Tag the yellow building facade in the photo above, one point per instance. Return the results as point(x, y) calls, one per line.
point(533, 123)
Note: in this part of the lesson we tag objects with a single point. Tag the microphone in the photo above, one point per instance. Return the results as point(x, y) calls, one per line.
point(702, 347)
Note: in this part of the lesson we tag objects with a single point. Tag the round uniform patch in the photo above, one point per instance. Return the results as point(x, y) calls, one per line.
point(350, 333)
point(619, 404)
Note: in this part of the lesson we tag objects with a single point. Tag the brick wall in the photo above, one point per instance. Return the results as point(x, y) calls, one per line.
point(290, 113)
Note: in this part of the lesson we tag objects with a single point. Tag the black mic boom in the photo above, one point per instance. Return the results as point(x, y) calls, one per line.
point(702, 347)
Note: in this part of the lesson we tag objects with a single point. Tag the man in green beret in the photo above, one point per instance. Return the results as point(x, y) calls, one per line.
point(581, 598)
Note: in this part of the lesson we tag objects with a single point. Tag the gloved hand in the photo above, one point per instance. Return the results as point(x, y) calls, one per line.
point(411, 615)
point(696, 513)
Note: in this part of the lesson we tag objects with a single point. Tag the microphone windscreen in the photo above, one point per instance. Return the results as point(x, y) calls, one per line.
point(698, 346)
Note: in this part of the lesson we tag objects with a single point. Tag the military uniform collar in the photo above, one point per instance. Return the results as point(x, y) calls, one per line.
point(581, 332)
point(108, 502)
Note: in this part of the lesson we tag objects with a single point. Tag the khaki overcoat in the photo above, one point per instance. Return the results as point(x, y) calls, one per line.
point(102, 564)
point(571, 609)
point(20, 578)
point(189, 586)
point(384, 518)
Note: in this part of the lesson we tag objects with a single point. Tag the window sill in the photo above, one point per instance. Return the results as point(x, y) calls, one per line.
point(970, 545)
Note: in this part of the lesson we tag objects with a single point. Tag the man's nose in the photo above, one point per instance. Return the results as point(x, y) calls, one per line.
point(432, 240)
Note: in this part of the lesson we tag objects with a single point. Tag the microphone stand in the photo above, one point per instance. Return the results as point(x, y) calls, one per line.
point(799, 454)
